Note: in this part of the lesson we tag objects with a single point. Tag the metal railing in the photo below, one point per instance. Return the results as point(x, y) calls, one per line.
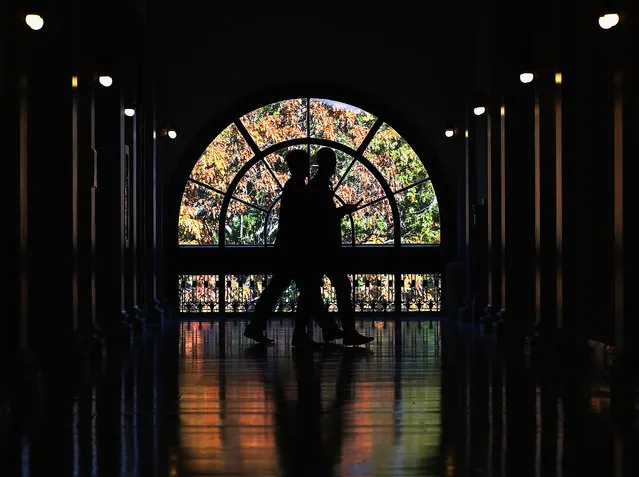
point(371, 293)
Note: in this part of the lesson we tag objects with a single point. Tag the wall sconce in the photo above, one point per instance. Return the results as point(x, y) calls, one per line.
point(34, 21)
point(608, 20)
point(105, 80)
point(528, 62)
point(526, 77)
point(130, 112)
point(450, 130)
point(170, 132)
point(479, 110)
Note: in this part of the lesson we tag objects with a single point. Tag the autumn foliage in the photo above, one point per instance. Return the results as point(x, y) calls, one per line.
point(252, 215)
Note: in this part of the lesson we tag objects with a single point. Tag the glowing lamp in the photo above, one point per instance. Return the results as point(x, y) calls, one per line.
point(606, 21)
point(479, 110)
point(34, 21)
point(105, 81)
point(526, 77)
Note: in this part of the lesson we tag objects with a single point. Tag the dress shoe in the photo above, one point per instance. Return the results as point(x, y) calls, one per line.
point(257, 335)
point(332, 334)
point(302, 340)
point(354, 338)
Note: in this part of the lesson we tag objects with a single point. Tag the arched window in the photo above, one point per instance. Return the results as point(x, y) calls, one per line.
point(232, 195)
point(230, 207)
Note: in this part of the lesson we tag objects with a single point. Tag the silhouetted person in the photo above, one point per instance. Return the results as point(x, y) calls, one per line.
point(326, 234)
point(291, 246)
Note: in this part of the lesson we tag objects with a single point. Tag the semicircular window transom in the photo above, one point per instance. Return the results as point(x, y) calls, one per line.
point(232, 194)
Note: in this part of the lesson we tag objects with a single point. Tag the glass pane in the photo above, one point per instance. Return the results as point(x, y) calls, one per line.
point(394, 158)
point(339, 122)
point(374, 224)
point(277, 122)
point(343, 161)
point(347, 231)
point(199, 216)
point(257, 186)
point(244, 224)
point(359, 183)
point(419, 214)
point(273, 220)
point(222, 159)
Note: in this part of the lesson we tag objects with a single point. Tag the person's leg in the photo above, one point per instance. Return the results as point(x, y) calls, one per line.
point(270, 295)
point(318, 310)
point(342, 285)
point(303, 312)
point(264, 306)
point(343, 294)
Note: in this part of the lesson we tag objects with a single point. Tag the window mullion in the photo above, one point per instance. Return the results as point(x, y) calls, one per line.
point(414, 184)
point(249, 204)
point(206, 186)
point(268, 167)
point(247, 136)
point(341, 179)
point(369, 137)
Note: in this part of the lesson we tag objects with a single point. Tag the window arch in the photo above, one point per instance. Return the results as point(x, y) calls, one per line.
point(232, 195)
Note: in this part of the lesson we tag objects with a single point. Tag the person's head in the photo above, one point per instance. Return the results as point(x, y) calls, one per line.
point(298, 162)
point(326, 162)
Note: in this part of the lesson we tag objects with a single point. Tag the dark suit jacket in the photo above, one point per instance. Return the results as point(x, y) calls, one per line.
point(292, 230)
point(324, 218)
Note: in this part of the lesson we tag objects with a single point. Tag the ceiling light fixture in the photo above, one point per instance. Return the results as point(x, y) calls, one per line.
point(608, 20)
point(105, 80)
point(34, 21)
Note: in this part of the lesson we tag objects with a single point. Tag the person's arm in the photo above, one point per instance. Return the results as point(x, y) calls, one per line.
point(347, 208)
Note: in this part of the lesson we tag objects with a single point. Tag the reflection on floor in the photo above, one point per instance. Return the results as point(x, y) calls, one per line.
point(425, 398)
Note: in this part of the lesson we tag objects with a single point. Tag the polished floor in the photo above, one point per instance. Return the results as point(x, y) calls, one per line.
point(427, 398)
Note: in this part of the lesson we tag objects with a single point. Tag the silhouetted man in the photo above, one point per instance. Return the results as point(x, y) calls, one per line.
point(291, 246)
point(326, 234)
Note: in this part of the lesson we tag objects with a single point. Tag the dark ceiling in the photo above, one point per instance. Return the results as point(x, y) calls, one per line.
point(407, 61)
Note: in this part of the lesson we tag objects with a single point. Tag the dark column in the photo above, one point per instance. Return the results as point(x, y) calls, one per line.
point(626, 119)
point(49, 195)
point(630, 192)
point(129, 219)
point(588, 178)
point(546, 203)
point(150, 207)
point(109, 128)
point(85, 194)
point(494, 207)
point(520, 212)
point(14, 108)
point(153, 227)
point(479, 219)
